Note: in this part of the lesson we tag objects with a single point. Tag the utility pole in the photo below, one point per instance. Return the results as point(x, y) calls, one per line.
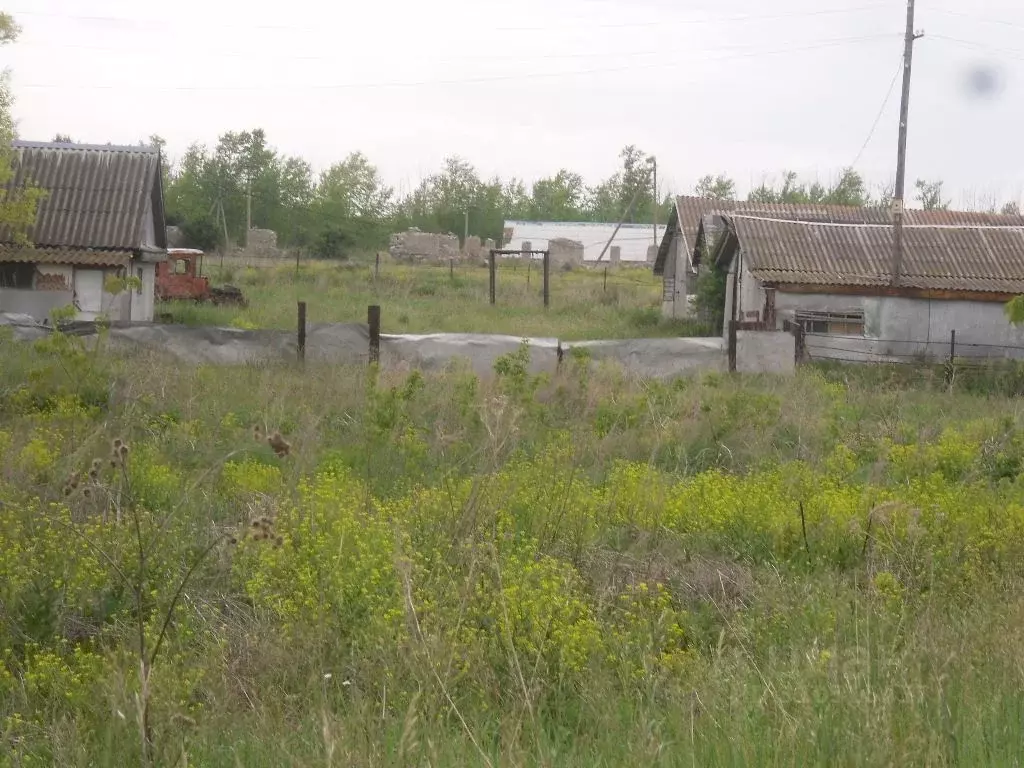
point(901, 158)
point(465, 237)
point(654, 197)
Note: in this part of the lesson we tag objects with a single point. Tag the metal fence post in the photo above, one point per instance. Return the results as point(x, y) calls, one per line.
point(302, 331)
point(952, 346)
point(373, 320)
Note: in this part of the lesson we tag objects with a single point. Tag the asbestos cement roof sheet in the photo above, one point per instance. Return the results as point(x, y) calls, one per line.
point(81, 257)
point(690, 212)
point(95, 196)
point(938, 257)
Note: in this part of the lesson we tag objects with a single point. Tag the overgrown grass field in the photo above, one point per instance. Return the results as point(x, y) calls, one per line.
point(271, 567)
point(585, 303)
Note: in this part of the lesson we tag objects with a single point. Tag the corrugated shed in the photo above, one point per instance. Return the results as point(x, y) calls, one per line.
point(82, 257)
point(97, 196)
point(690, 211)
point(936, 257)
point(633, 239)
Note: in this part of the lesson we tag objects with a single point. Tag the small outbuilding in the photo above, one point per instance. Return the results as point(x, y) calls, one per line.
point(102, 216)
point(855, 300)
point(697, 217)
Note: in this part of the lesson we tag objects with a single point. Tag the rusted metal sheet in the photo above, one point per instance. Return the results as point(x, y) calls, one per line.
point(97, 197)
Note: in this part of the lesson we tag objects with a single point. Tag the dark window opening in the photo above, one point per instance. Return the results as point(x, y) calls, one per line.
point(16, 274)
point(834, 323)
point(181, 266)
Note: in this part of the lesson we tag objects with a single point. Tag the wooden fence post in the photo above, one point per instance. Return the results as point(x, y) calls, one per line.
point(302, 331)
point(732, 346)
point(800, 347)
point(952, 346)
point(606, 279)
point(492, 267)
point(373, 320)
point(547, 278)
point(376, 265)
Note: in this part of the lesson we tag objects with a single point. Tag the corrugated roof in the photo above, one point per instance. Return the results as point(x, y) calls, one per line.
point(938, 257)
point(690, 211)
point(97, 196)
point(83, 257)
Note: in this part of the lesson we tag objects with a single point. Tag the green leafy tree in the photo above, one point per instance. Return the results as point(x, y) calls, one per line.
point(929, 195)
point(716, 188)
point(17, 205)
point(609, 200)
point(558, 198)
point(351, 208)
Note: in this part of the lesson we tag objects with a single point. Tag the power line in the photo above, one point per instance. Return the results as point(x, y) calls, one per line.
point(713, 20)
point(881, 111)
point(319, 57)
point(980, 46)
point(457, 81)
point(616, 25)
point(981, 19)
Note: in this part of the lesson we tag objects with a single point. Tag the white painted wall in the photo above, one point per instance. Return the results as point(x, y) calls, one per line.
point(905, 327)
point(143, 301)
point(88, 292)
point(36, 304)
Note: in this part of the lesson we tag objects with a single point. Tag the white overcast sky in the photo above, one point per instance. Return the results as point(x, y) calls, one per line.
point(525, 87)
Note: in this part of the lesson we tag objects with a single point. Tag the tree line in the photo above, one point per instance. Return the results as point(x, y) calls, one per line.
point(213, 194)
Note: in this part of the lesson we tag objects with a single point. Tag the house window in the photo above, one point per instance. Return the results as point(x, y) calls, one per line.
point(835, 323)
point(180, 266)
point(16, 275)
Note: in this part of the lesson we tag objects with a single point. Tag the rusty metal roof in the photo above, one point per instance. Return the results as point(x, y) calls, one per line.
point(938, 257)
point(690, 211)
point(96, 196)
point(82, 257)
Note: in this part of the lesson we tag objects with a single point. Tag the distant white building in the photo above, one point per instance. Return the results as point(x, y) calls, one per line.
point(636, 241)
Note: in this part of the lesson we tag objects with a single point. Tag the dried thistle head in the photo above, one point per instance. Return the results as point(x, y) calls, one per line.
point(87, 492)
point(94, 474)
point(257, 433)
point(97, 464)
point(281, 446)
point(278, 541)
point(118, 442)
point(73, 480)
point(123, 451)
point(68, 490)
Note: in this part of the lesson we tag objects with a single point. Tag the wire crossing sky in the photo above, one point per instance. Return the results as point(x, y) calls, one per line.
point(523, 88)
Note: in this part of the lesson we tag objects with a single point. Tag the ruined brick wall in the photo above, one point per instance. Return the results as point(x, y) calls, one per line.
point(415, 246)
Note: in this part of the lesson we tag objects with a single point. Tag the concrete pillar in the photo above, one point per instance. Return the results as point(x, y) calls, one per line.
point(652, 254)
point(615, 255)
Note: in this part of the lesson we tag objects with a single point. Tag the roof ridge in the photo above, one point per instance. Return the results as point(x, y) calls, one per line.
point(140, 149)
point(871, 225)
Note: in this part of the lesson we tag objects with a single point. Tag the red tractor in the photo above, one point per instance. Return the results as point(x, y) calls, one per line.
point(178, 278)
